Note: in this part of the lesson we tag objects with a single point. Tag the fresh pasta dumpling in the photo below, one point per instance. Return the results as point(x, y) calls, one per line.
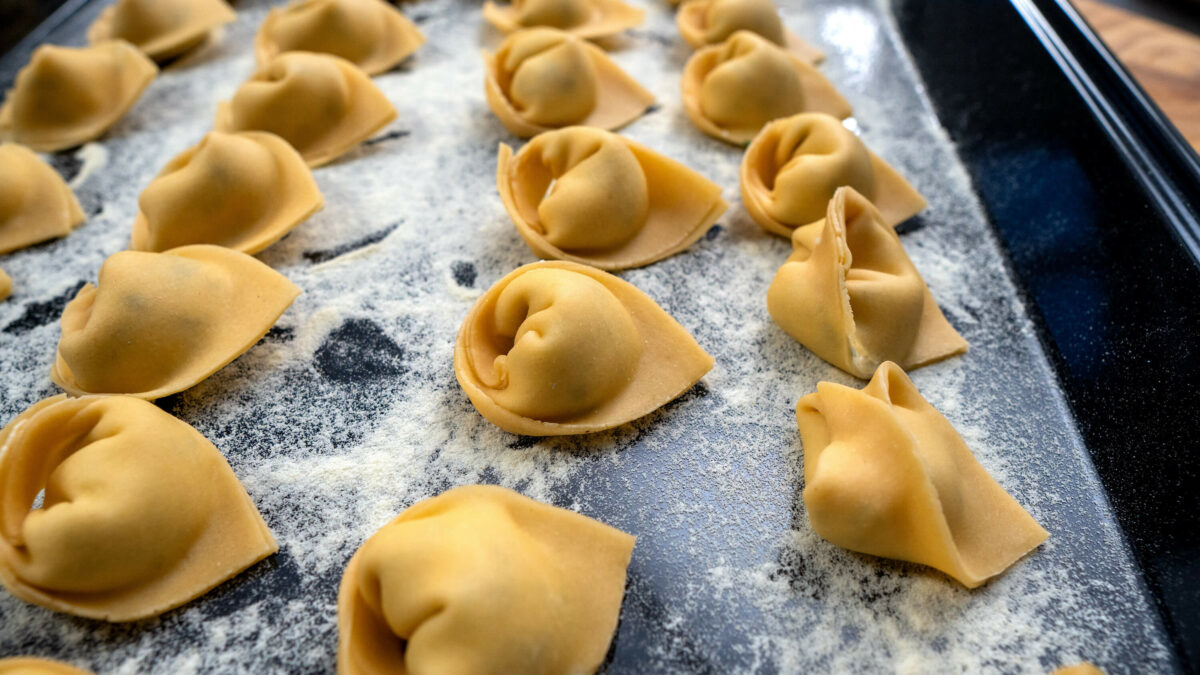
point(558, 348)
point(242, 191)
point(35, 203)
point(710, 22)
point(792, 168)
point(542, 79)
point(593, 197)
point(851, 295)
point(158, 323)
point(140, 513)
point(588, 19)
point(371, 34)
point(5, 285)
point(731, 90)
point(481, 579)
point(162, 29)
point(1084, 668)
point(886, 474)
point(29, 665)
point(67, 96)
point(323, 105)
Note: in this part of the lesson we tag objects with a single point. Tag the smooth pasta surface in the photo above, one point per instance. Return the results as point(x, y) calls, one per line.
point(481, 579)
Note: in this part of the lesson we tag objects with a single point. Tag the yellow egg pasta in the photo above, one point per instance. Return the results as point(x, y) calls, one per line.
point(29, 665)
point(1084, 668)
point(711, 22)
point(592, 197)
point(162, 29)
point(35, 203)
point(5, 285)
point(851, 295)
point(140, 512)
point(159, 323)
point(886, 474)
point(242, 190)
point(481, 579)
point(731, 90)
point(588, 19)
point(371, 34)
point(792, 168)
point(542, 79)
point(68, 96)
point(322, 105)
point(558, 348)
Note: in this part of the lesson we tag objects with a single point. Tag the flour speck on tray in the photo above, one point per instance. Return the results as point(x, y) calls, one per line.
point(348, 411)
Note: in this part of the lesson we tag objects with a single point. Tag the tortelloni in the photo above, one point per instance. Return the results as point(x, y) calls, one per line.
point(242, 191)
point(710, 22)
point(29, 665)
point(322, 105)
point(851, 295)
point(140, 513)
point(1084, 668)
point(792, 168)
point(158, 323)
point(731, 90)
point(482, 580)
point(66, 96)
point(162, 29)
point(371, 34)
point(543, 78)
point(5, 285)
point(593, 197)
point(886, 474)
point(35, 203)
point(559, 348)
point(588, 19)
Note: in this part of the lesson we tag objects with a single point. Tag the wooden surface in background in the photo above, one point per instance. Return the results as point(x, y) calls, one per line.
point(1165, 60)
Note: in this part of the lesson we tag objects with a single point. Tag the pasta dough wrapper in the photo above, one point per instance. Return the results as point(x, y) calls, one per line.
point(68, 96)
point(35, 202)
point(322, 105)
point(851, 295)
point(29, 665)
point(371, 34)
point(542, 78)
point(588, 19)
point(5, 285)
point(1084, 668)
point(141, 513)
point(159, 323)
point(481, 579)
point(243, 191)
point(731, 90)
point(558, 348)
point(886, 474)
point(162, 29)
point(593, 197)
point(711, 22)
point(792, 168)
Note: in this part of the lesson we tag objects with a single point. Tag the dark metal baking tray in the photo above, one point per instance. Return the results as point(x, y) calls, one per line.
point(1096, 196)
point(1094, 199)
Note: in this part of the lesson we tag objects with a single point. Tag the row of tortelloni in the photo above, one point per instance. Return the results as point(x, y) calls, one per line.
point(244, 186)
point(749, 68)
point(67, 96)
point(700, 22)
point(141, 514)
point(545, 78)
